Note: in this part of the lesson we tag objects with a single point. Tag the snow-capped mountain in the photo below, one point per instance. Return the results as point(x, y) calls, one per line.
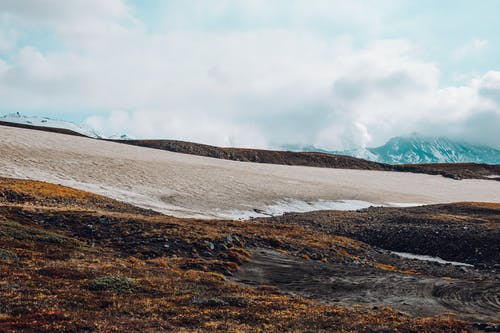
point(418, 149)
point(48, 122)
point(54, 123)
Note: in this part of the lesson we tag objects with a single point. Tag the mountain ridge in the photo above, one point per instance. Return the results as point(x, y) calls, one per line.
point(417, 149)
point(20, 119)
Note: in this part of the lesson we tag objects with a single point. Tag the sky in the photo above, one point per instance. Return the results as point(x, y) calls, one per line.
point(257, 73)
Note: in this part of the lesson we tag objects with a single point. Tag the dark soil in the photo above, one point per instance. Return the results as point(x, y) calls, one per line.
point(42, 128)
point(350, 284)
point(466, 232)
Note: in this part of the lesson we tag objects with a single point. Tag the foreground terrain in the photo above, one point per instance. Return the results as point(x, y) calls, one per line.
point(72, 261)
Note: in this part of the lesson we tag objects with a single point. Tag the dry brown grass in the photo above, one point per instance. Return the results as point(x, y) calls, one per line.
point(54, 256)
point(36, 193)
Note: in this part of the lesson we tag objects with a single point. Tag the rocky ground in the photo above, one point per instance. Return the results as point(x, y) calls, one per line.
point(466, 233)
point(71, 261)
point(462, 232)
point(454, 170)
point(469, 295)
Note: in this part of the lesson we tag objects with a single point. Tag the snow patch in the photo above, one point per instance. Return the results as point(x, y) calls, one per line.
point(299, 206)
point(429, 258)
point(402, 204)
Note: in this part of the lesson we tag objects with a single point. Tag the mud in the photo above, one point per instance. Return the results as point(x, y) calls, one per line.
point(351, 284)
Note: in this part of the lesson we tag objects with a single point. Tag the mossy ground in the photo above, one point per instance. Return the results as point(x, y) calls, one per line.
point(103, 266)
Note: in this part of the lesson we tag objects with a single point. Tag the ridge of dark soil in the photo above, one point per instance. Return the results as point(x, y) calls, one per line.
point(323, 160)
point(43, 128)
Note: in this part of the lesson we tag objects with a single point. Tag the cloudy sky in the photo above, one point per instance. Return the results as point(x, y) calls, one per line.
point(260, 73)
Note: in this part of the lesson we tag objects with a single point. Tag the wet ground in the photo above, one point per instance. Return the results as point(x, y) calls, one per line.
point(477, 299)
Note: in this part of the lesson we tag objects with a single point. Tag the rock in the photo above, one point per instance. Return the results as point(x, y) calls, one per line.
point(206, 254)
point(209, 302)
point(480, 326)
point(210, 245)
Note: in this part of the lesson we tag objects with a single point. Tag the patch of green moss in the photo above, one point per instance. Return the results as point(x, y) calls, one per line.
point(24, 233)
point(113, 283)
point(7, 255)
point(237, 301)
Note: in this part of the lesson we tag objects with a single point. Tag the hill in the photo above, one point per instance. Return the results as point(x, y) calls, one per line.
point(49, 124)
point(320, 159)
point(310, 157)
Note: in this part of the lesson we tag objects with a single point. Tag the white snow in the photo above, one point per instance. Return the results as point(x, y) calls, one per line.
point(402, 204)
point(429, 258)
point(194, 186)
point(298, 206)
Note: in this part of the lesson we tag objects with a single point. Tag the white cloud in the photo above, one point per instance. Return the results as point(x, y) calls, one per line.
point(470, 49)
point(55, 12)
point(198, 127)
point(7, 39)
point(249, 87)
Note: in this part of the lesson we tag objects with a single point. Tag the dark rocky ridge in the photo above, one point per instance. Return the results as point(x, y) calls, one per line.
point(261, 156)
point(41, 128)
point(323, 160)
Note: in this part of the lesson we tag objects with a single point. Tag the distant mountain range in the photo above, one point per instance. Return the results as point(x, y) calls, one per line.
point(18, 118)
point(416, 149)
